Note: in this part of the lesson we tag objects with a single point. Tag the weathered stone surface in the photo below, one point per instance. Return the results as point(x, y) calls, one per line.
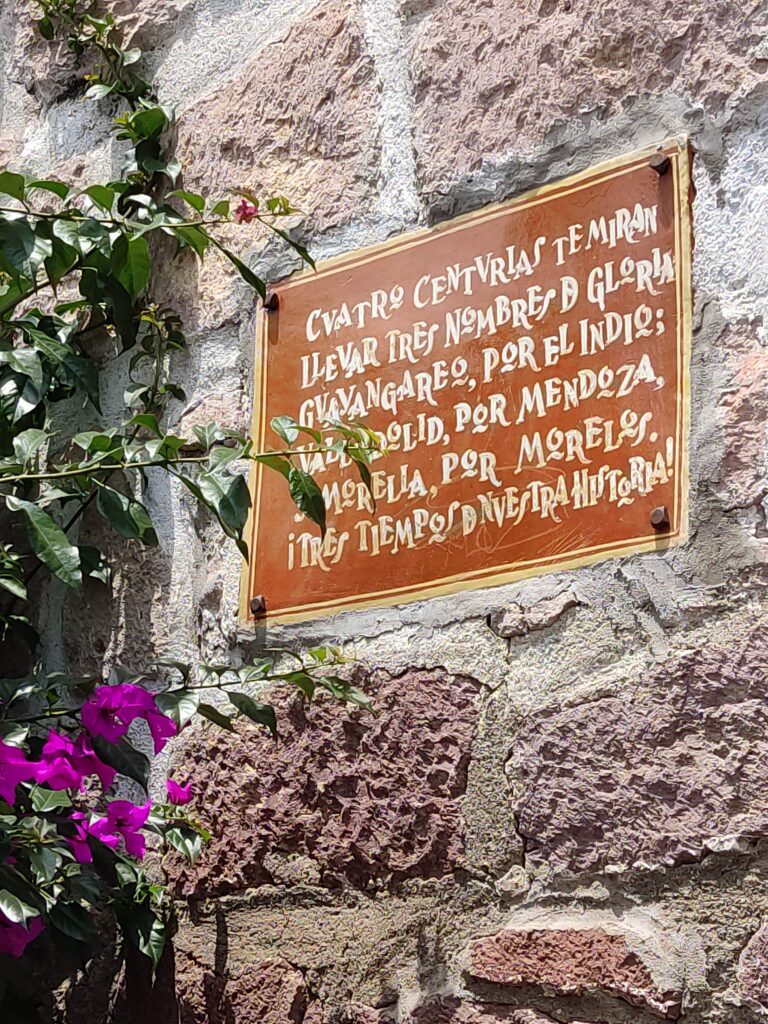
point(743, 411)
point(367, 800)
point(50, 69)
point(753, 970)
point(492, 77)
point(301, 122)
point(572, 962)
point(658, 780)
point(517, 620)
point(451, 1010)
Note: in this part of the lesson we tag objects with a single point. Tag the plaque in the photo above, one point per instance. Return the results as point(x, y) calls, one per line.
point(526, 366)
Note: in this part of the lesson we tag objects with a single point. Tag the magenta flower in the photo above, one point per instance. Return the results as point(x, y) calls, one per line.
point(245, 212)
point(14, 938)
point(161, 726)
point(79, 842)
point(14, 768)
point(110, 710)
point(66, 762)
point(123, 820)
point(86, 761)
point(178, 794)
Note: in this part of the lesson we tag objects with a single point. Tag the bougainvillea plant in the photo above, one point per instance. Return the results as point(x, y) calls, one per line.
point(76, 265)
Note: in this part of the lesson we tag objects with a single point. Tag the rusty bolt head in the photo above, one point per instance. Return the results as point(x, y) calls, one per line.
point(271, 302)
point(660, 518)
point(258, 605)
point(660, 163)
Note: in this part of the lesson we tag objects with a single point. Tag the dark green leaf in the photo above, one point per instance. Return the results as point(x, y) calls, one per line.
point(21, 250)
point(262, 714)
point(228, 496)
point(143, 929)
point(127, 515)
point(12, 184)
point(74, 921)
point(245, 272)
point(214, 715)
point(49, 542)
point(132, 264)
point(45, 28)
point(94, 564)
point(123, 758)
point(307, 496)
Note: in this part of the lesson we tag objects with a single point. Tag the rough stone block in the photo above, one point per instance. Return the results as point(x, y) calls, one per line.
point(659, 780)
point(517, 620)
point(299, 120)
point(753, 971)
point(574, 961)
point(356, 799)
point(451, 1010)
point(493, 77)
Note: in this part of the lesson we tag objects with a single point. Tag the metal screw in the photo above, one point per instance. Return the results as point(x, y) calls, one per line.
point(271, 302)
point(660, 518)
point(661, 163)
point(258, 605)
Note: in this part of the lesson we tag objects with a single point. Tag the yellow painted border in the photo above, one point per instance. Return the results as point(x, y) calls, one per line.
point(678, 151)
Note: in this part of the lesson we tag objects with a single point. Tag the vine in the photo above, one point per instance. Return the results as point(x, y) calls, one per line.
point(75, 265)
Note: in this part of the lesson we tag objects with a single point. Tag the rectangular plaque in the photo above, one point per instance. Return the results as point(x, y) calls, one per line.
point(527, 365)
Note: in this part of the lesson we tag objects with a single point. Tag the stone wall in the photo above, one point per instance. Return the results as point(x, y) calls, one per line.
point(560, 812)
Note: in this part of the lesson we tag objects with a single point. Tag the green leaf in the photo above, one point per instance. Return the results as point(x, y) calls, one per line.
point(45, 28)
point(303, 680)
point(214, 715)
point(262, 714)
point(45, 862)
point(228, 496)
point(21, 250)
point(47, 185)
point(28, 443)
point(74, 921)
point(101, 195)
point(49, 542)
point(220, 209)
point(25, 361)
point(74, 370)
point(193, 237)
point(94, 564)
point(127, 515)
point(307, 496)
point(98, 91)
point(48, 799)
point(132, 264)
point(193, 199)
point(186, 841)
point(345, 691)
point(278, 463)
point(149, 123)
point(245, 272)
point(61, 261)
point(288, 429)
point(13, 584)
point(123, 758)
point(12, 184)
point(15, 909)
point(180, 705)
point(208, 434)
point(143, 929)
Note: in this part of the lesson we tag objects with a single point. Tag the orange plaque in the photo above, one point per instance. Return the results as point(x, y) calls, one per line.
point(527, 367)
